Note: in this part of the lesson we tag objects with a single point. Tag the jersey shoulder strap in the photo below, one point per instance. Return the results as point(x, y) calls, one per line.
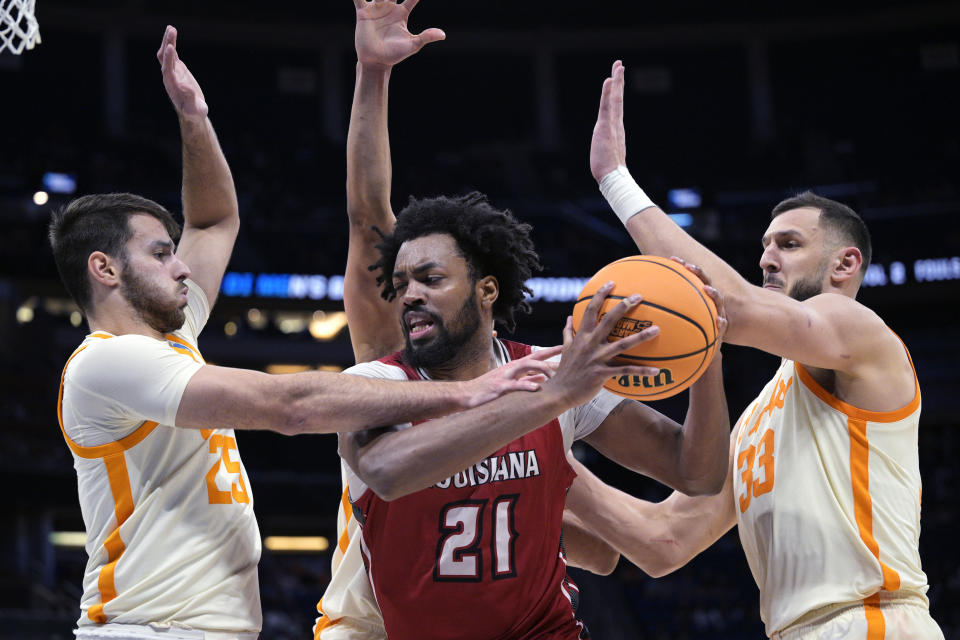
point(516, 349)
point(397, 360)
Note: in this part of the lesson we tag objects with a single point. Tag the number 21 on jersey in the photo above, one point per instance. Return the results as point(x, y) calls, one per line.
point(460, 548)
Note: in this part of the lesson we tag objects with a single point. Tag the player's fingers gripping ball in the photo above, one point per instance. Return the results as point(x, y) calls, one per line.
point(673, 299)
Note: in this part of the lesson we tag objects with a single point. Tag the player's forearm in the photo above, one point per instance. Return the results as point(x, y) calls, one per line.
point(330, 402)
point(655, 233)
point(401, 462)
point(635, 528)
point(703, 455)
point(369, 169)
point(209, 195)
point(316, 402)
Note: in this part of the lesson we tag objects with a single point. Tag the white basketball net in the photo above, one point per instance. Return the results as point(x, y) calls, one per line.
point(18, 25)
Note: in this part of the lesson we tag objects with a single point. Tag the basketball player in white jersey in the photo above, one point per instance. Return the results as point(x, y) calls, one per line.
point(348, 607)
point(823, 478)
point(172, 540)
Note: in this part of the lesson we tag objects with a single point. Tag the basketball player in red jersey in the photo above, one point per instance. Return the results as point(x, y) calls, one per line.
point(824, 479)
point(460, 539)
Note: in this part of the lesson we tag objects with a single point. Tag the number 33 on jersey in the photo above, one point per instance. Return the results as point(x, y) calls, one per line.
point(755, 465)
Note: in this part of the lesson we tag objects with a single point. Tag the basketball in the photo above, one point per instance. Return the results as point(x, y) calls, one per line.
point(673, 299)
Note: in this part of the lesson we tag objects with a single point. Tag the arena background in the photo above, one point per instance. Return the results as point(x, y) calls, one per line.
point(729, 108)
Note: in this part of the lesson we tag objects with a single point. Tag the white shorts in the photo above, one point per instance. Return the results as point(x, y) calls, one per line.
point(889, 619)
point(147, 632)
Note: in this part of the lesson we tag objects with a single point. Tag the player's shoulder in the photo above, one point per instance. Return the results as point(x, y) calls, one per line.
point(104, 346)
point(534, 349)
point(104, 356)
point(516, 350)
point(842, 307)
point(871, 344)
point(853, 319)
point(383, 368)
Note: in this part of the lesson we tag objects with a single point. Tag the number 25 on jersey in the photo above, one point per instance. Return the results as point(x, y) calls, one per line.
point(238, 490)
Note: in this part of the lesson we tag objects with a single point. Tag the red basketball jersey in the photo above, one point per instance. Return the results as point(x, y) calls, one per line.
point(478, 555)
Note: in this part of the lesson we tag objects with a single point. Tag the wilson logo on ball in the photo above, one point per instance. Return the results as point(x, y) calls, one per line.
point(662, 379)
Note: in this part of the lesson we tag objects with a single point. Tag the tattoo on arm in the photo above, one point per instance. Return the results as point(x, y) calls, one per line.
point(617, 410)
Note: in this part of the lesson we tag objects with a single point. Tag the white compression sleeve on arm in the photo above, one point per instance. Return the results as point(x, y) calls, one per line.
point(624, 195)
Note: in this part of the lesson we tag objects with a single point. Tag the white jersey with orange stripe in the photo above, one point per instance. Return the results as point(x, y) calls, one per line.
point(171, 535)
point(348, 609)
point(827, 498)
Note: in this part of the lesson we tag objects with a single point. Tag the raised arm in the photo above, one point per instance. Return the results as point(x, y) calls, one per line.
point(657, 537)
point(828, 331)
point(690, 458)
point(210, 212)
point(322, 402)
point(397, 462)
point(382, 40)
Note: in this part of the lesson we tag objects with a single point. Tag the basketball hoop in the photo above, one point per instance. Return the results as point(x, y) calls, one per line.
point(18, 25)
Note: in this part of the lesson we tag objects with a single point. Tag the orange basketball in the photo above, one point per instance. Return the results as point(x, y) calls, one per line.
point(673, 299)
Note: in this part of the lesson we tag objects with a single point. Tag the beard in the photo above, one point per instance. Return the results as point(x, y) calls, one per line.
point(446, 344)
point(145, 300)
point(806, 288)
point(803, 289)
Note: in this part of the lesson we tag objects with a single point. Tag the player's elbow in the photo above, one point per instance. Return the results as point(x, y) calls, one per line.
point(601, 561)
point(705, 485)
point(291, 410)
point(381, 477)
point(664, 561)
point(605, 564)
point(701, 477)
point(385, 487)
point(703, 489)
point(307, 403)
point(658, 569)
point(699, 485)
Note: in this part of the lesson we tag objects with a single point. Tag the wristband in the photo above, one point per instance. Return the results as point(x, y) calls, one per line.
point(624, 195)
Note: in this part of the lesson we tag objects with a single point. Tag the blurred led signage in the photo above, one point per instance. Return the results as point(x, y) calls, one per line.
point(291, 286)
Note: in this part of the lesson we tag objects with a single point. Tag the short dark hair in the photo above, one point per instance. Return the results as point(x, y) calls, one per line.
point(836, 216)
point(492, 241)
point(98, 222)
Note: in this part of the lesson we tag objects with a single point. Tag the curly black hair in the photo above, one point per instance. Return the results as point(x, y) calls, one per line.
point(493, 243)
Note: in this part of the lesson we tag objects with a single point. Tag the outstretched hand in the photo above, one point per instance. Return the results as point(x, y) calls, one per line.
point(181, 86)
point(589, 356)
point(608, 148)
point(523, 374)
point(382, 39)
